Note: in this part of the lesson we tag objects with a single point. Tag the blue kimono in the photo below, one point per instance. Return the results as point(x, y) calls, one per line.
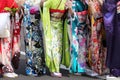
point(35, 64)
point(78, 43)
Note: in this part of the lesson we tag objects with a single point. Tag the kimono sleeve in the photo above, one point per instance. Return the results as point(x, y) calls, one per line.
point(12, 4)
point(109, 11)
point(46, 16)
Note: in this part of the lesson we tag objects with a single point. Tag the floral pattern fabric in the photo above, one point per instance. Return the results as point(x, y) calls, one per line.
point(97, 41)
point(111, 13)
point(56, 37)
point(78, 43)
point(9, 47)
point(33, 42)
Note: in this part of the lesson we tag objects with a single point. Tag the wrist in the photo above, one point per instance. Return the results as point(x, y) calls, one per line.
point(71, 11)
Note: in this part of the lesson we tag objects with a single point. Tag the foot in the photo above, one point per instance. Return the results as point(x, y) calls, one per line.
point(10, 75)
point(1, 72)
point(14, 74)
point(56, 74)
point(77, 74)
point(32, 74)
point(110, 77)
point(30, 71)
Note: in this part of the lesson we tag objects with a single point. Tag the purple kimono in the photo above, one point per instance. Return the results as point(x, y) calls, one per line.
point(111, 12)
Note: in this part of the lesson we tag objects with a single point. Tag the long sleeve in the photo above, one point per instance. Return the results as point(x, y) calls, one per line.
point(109, 10)
point(46, 16)
point(12, 4)
point(46, 28)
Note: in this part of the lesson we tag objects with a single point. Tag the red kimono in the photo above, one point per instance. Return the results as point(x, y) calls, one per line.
point(10, 45)
point(7, 3)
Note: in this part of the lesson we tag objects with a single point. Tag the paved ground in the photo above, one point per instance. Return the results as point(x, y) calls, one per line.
point(66, 75)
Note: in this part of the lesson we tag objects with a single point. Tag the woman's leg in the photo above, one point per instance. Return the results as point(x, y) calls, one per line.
point(56, 53)
point(78, 51)
point(16, 40)
point(34, 47)
point(74, 53)
point(5, 55)
point(54, 50)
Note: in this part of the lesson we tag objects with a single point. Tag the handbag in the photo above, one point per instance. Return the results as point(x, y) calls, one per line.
point(4, 25)
point(15, 60)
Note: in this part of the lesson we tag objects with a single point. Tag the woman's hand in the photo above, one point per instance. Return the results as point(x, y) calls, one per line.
point(41, 3)
point(20, 2)
point(68, 6)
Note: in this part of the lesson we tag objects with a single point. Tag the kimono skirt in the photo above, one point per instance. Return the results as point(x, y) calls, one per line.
point(112, 26)
point(78, 43)
point(56, 36)
point(9, 47)
point(35, 64)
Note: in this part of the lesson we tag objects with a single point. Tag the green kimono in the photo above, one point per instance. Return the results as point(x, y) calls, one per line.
point(56, 37)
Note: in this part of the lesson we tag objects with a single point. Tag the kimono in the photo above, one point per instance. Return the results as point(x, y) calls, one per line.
point(97, 42)
point(78, 43)
point(9, 46)
point(111, 13)
point(16, 22)
point(35, 63)
point(55, 35)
